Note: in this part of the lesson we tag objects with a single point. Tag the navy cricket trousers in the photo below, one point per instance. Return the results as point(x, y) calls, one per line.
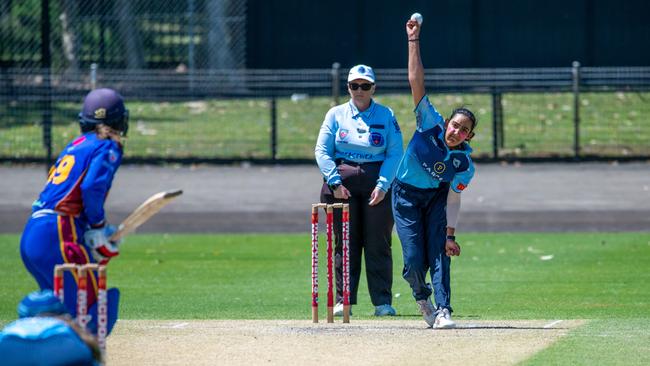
point(421, 223)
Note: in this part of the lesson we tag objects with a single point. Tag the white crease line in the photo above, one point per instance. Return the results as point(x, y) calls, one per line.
point(179, 325)
point(551, 324)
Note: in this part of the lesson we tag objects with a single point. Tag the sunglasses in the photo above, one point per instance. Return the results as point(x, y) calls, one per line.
point(364, 86)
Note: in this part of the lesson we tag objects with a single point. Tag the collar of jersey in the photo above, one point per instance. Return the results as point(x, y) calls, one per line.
point(367, 113)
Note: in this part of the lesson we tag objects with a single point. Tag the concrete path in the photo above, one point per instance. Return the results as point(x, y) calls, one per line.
point(527, 197)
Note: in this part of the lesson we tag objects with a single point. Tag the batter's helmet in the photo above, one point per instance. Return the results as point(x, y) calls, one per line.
point(40, 302)
point(104, 106)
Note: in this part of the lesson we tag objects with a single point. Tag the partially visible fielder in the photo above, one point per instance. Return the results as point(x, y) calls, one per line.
point(68, 223)
point(435, 169)
point(45, 334)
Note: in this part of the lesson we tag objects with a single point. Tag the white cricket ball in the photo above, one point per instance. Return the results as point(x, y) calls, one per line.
point(417, 17)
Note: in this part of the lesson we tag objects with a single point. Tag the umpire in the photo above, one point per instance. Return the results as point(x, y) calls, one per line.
point(358, 149)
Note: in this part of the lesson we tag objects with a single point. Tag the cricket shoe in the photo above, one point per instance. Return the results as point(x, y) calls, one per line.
point(338, 309)
point(427, 310)
point(443, 319)
point(385, 310)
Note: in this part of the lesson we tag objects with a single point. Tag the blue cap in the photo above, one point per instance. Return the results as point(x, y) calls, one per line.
point(39, 302)
point(361, 72)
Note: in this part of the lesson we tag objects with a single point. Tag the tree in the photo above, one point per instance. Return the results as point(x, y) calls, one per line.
point(69, 37)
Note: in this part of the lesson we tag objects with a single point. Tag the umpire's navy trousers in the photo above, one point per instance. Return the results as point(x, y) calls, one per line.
point(371, 228)
point(421, 223)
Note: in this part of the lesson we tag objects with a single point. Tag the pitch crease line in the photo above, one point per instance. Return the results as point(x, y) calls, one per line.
point(551, 324)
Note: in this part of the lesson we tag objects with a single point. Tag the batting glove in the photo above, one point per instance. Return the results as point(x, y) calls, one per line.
point(98, 240)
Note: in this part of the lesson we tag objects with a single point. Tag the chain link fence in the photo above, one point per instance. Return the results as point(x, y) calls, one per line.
point(123, 34)
point(181, 67)
point(275, 115)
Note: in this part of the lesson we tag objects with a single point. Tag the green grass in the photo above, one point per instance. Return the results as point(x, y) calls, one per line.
point(611, 341)
point(535, 124)
point(602, 278)
point(499, 276)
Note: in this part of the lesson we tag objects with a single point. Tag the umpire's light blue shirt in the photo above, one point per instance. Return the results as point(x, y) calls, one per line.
point(427, 160)
point(361, 137)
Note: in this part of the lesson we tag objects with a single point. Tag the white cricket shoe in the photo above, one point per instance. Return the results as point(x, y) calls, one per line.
point(443, 319)
point(427, 310)
point(338, 309)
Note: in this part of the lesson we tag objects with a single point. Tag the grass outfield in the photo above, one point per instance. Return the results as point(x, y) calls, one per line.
point(600, 277)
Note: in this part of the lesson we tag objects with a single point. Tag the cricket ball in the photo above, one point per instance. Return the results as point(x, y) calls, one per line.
point(417, 17)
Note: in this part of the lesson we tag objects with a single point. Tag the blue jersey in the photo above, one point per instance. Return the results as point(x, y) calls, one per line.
point(37, 328)
point(80, 179)
point(428, 161)
point(361, 137)
point(43, 341)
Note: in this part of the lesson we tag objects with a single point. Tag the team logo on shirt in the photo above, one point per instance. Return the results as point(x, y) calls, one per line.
point(456, 163)
point(376, 139)
point(343, 134)
point(439, 167)
point(112, 156)
point(433, 172)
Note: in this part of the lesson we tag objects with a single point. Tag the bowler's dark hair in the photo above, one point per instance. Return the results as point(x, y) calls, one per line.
point(467, 113)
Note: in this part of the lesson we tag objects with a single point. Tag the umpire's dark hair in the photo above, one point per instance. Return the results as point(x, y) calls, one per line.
point(467, 113)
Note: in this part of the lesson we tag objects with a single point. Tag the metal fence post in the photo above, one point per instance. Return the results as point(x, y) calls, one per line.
point(46, 64)
point(274, 130)
point(336, 77)
point(575, 73)
point(103, 24)
point(497, 123)
point(93, 76)
point(190, 46)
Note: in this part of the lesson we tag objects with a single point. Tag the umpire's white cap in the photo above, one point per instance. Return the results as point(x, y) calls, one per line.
point(361, 72)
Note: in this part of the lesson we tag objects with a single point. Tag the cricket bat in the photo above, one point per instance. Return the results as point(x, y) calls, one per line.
point(144, 212)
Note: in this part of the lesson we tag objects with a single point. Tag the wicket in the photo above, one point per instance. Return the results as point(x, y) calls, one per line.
point(345, 221)
point(80, 271)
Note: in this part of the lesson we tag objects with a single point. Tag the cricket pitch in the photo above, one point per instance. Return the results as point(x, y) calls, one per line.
point(300, 342)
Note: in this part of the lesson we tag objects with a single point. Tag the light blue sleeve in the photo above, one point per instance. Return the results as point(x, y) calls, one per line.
point(325, 149)
point(461, 180)
point(35, 328)
point(394, 151)
point(426, 115)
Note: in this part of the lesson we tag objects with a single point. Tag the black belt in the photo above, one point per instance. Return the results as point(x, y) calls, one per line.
point(354, 163)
